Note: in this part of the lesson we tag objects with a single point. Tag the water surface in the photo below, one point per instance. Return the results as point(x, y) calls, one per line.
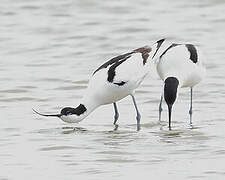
point(49, 50)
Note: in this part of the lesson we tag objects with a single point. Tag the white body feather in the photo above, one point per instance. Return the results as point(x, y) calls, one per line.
point(177, 63)
point(100, 91)
point(103, 92)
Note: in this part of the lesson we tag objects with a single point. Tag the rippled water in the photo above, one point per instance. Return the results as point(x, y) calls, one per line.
point(49, 50)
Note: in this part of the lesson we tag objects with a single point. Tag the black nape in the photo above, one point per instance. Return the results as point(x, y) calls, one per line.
point(170, 90)
point(78, 110)
point(159, 43)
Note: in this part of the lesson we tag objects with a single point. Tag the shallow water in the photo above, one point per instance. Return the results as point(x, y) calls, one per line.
point(49, 50)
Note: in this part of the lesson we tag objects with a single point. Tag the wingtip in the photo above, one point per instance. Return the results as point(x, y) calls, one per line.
point(160, 41)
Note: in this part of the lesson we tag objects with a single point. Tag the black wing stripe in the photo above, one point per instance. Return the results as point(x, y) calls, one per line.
point(113, 60)
point(193, 52)
point(173, 45)
point(112, 72)
point(159, 43)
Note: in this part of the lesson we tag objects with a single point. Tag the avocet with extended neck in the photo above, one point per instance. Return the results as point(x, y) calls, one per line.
point(111, 82)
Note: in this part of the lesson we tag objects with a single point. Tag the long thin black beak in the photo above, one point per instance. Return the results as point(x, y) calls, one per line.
point(170, 111)
point(48, 115)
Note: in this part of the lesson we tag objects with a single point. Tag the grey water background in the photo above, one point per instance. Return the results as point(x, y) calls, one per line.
point(48, 51)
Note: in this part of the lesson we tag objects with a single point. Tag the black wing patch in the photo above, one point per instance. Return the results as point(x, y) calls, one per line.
point(159, 43)
point(114, 60)
point(193, 52)
point(173, 45)
point(111, 71)
point(120, 83)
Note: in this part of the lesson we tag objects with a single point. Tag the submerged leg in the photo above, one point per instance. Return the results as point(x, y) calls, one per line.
point(190, 111)
point(160, 108)
point(116, 116)
point(138, 117)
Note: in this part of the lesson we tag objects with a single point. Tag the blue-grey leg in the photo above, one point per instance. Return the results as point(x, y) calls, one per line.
point(116, 116)
point(160, 108)
point(138, 117)
point(190, 111)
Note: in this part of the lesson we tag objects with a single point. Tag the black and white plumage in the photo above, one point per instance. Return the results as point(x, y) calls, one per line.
point(178, 65)
point(111, 82)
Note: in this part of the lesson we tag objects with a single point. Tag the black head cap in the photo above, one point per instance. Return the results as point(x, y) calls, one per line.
point(170, 90)
point(78, 110)
point(67, 111)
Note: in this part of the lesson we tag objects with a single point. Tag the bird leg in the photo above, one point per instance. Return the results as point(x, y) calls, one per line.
point(160, 108)
point(116, 116)
point(138, 117)
point(190, 111)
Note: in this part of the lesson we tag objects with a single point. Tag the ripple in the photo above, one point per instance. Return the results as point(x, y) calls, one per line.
point(30, 7)
point(215, 172)
point(70, 87)
point(116, 160)
point(196, 177)
point(9, 129)
point(116, 153)
point(92, 171)
point(220, 152)
point(80, 82)
point(131, 30)
point(61, 15)
point(22, 99)
point(71, 130)
point(8, 13)
point(42, 64)
point(55, 148)
point(54, 80)
point(27, 87)
point(14, 91)
point(62, 130)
